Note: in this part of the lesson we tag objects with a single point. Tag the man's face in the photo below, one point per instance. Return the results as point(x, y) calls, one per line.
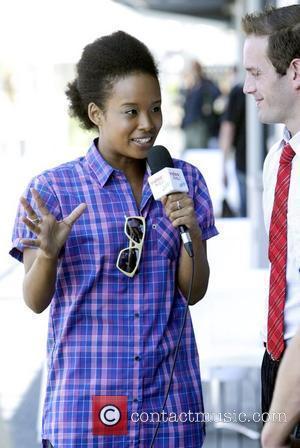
point(272, 92)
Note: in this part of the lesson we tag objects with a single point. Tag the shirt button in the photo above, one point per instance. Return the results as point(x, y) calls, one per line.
point(153, 226)
point(137, 358)
point(135, 400)
point(136, 314)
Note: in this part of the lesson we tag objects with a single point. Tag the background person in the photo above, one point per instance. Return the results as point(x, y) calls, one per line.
point(115, 311)
point(200, 121)
point(232, 137)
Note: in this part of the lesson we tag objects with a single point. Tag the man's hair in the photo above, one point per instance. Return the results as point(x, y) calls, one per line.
point(102, 63)
point(282, 26)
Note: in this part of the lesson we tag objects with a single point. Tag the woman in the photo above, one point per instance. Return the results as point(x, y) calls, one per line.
point(116, 297)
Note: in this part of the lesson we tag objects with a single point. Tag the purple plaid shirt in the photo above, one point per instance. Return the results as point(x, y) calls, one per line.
point(110, 334)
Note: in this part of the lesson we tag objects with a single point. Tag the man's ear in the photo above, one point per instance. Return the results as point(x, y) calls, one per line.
point(95, 114)
point(295, 68)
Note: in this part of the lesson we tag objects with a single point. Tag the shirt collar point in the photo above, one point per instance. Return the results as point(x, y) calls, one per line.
point(99, 166)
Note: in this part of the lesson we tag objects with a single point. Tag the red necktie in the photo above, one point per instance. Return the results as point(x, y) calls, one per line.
point(278, 255)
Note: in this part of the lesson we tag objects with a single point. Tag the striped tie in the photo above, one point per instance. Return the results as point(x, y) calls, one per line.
point(278, 255)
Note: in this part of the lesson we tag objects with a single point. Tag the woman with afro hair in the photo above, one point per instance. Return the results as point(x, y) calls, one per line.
point(108, 260)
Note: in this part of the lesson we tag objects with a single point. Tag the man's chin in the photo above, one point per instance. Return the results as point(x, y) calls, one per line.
point(265, 119)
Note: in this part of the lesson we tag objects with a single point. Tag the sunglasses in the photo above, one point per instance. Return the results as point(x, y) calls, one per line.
point(129, 259)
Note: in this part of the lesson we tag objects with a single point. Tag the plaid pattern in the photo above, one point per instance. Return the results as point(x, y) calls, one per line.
point(278, 255)
point(110, 334)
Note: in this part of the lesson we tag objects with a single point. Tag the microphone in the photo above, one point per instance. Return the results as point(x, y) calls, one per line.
point(165, 180)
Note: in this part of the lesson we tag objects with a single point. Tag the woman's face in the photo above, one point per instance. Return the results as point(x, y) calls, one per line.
point(132, 119)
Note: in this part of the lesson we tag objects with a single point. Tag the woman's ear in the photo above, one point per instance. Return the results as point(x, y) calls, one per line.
point(95, 114)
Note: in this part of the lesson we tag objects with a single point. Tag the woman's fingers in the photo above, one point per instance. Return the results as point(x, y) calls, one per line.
point(177, 201)
point(75, 214)
point(32, 226)
point(30, 242)
point(29, 210)
point(51, 234)
point(39, 202)
point(186, 211)
point(178, 206)
point(32, 215)
point(164, 200)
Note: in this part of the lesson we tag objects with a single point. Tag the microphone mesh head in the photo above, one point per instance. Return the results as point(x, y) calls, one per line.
point(159, 158)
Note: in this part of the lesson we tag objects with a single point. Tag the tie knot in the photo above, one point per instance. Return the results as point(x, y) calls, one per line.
point(287, 154)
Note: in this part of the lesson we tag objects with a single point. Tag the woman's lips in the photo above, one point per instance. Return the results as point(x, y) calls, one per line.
point(143, 141)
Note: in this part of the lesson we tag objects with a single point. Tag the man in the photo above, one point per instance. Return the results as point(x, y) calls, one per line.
point(233, 136)
point(286, 400)
point(272, 63)
point(200, 122)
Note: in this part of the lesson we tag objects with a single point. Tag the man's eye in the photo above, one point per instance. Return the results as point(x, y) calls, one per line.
point(156, 109)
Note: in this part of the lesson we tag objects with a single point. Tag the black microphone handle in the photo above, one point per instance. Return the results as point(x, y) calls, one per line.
point(186, 239)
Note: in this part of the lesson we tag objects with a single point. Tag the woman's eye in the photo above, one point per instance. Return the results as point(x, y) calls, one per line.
point(157, 109)
point(131, 112)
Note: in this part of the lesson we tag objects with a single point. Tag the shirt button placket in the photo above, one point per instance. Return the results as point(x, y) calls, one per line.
point(137, 347)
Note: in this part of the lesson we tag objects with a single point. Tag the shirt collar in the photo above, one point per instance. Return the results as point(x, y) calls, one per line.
point(295, 143)
point(287, 138)
point(98, 164)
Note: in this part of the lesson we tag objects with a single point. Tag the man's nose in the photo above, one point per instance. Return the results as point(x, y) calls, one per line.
point(249, 86)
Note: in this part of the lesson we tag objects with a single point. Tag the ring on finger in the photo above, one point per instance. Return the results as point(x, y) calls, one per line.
point(178, 205)
point(36, 220)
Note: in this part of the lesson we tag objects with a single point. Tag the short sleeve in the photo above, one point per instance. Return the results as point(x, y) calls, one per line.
point(202, 201)
point(20, 230)
point(204, 208)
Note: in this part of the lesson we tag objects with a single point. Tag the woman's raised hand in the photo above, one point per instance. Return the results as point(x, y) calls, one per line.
point(51, 234)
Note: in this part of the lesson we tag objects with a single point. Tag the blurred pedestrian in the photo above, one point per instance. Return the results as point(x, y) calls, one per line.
point(232, 138)
point(201, 120)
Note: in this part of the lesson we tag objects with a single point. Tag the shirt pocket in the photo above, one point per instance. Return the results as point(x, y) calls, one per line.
point(95, 241)
point(168, 238)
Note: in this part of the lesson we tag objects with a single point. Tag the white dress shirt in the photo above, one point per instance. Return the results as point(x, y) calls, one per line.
point(271, 164)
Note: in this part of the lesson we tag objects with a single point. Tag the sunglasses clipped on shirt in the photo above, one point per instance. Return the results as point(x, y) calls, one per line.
point(129, 259)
